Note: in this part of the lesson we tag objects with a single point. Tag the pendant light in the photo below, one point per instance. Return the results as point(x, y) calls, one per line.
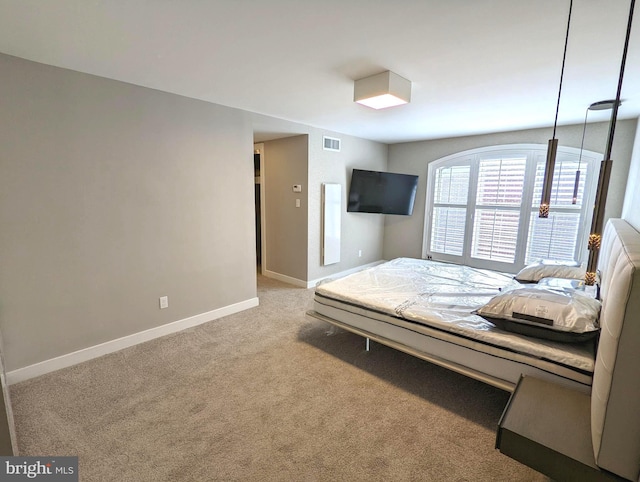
point(600, 105)
point(576, 183)
point(605, 171)
point(552, 148)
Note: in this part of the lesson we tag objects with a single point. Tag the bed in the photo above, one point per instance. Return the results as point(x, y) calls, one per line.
point(607, 367)
point(428, 309)
point(425, 308)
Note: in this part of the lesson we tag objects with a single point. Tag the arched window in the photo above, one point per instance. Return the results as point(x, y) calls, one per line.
point(482, 206)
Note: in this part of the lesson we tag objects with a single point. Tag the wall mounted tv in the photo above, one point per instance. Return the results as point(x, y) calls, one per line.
point(382, 192)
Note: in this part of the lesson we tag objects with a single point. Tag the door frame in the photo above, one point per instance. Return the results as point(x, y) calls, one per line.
point(258, 148)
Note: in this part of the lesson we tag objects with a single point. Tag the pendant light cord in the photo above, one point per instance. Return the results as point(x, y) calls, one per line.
point(614, 114)
point(584, 131)
point(597, 219)
point(564, 56)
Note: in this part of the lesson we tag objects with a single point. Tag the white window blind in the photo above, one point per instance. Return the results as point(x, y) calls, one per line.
point(552, 238)
point(556, 237)
point(451, 193)
point(448, 230)
point(482, 207)
point(497, 208)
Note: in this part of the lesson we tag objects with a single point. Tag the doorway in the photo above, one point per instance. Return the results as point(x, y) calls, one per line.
point(258, 168)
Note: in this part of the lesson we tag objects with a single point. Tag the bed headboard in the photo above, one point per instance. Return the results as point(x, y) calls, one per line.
point(615, 394)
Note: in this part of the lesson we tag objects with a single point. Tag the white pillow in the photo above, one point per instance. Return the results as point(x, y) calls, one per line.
point(556, 315)
point(550, 269)
point(562, 284)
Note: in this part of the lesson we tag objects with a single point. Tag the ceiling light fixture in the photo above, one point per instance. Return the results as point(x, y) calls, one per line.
point(550, 165)
point(383, 90)
point(597, 219)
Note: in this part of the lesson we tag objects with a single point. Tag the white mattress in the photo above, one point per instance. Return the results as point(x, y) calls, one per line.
point(442, 297)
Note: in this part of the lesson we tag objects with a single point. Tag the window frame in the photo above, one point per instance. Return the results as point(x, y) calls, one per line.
point(534, 153)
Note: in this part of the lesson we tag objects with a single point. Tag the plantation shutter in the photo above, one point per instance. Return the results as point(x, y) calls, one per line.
point(556, 237)
point(482, 207)
point(450, 209)
point(497, 211)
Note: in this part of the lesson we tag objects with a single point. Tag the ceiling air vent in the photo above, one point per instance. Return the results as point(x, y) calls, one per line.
point(330, 144)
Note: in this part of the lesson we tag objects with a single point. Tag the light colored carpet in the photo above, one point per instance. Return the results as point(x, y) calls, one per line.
point(265, 395)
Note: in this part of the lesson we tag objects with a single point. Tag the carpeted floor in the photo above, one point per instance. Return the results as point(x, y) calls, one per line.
point(265, 395)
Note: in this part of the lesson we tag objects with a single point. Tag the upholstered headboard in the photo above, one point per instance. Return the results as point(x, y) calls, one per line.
point(615, 395)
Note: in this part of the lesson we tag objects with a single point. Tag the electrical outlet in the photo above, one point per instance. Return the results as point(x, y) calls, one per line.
point(164, 302)
point(359, 253)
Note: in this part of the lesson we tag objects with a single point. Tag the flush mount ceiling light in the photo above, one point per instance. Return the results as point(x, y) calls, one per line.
point(383, 90)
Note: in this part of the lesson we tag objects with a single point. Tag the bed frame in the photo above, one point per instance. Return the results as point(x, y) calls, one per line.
point(441, 349)
point(615, 386)
point(496, 361)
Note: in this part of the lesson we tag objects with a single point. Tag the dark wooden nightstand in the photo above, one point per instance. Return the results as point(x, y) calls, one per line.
point(548, 427)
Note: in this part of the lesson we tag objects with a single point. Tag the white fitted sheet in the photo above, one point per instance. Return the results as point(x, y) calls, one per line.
point(444, 296)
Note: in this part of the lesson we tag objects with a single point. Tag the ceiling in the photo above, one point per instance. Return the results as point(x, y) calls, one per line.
point(477, 66)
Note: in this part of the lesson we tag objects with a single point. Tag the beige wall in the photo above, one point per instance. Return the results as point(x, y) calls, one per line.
point(111, 196)
point(403, 236)
point(285, 164)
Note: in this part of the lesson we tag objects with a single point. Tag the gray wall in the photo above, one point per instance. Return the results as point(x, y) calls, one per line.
point(285, 164)
point(359, 231)
point(631, 208)
point(111, 196)
point(403, 235)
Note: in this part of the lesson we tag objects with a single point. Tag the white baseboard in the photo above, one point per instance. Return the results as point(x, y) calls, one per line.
point(73, 358)
point(285, 278)
point(312, 283)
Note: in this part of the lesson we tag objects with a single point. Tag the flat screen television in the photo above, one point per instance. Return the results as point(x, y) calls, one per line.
point(382, 192)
